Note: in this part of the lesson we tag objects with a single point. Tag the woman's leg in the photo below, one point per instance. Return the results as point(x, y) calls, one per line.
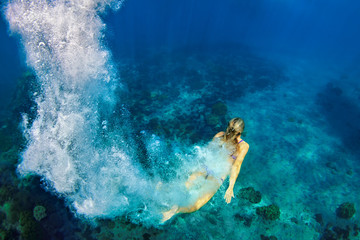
point(201, 201)
point(198, 204)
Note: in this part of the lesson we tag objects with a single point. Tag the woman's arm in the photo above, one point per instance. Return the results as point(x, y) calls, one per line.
point(219, 134)
point(235, 169)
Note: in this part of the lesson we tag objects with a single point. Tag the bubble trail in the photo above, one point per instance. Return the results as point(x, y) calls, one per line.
point(63, 44)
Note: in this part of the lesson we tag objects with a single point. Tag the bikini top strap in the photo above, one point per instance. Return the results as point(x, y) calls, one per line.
point(240, 141)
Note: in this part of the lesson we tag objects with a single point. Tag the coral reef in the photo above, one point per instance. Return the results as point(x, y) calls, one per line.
point(335, 233)
point(39, 212)
point(271, 212)
point(250, 194)
point(346, 210)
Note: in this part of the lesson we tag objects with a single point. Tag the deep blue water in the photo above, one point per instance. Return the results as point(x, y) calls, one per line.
point(316, 29)
point(10, 63)
point(93, 118)
point(312, 28)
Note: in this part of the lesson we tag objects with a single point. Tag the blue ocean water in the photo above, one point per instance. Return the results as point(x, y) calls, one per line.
point(108, 106)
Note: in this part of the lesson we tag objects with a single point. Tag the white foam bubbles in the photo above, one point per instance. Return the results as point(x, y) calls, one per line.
point(63, 44)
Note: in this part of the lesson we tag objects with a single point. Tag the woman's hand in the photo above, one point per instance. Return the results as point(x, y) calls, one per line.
point(228, 195)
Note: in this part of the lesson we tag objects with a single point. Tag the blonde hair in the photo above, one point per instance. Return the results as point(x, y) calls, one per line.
point(235, 127)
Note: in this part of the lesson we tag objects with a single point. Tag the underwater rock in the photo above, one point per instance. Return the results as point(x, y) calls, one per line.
point(39, 213)
point(341, 232)
point(219, 109)
point(271, 212)
point(250, 194)
point(346, 210)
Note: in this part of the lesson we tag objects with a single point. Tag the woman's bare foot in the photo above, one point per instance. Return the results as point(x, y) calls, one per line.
point(169, 214)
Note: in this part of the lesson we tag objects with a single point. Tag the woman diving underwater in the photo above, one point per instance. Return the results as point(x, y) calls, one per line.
point(231, 138)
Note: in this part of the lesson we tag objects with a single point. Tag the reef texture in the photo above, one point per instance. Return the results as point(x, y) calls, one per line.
point(271, 212)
